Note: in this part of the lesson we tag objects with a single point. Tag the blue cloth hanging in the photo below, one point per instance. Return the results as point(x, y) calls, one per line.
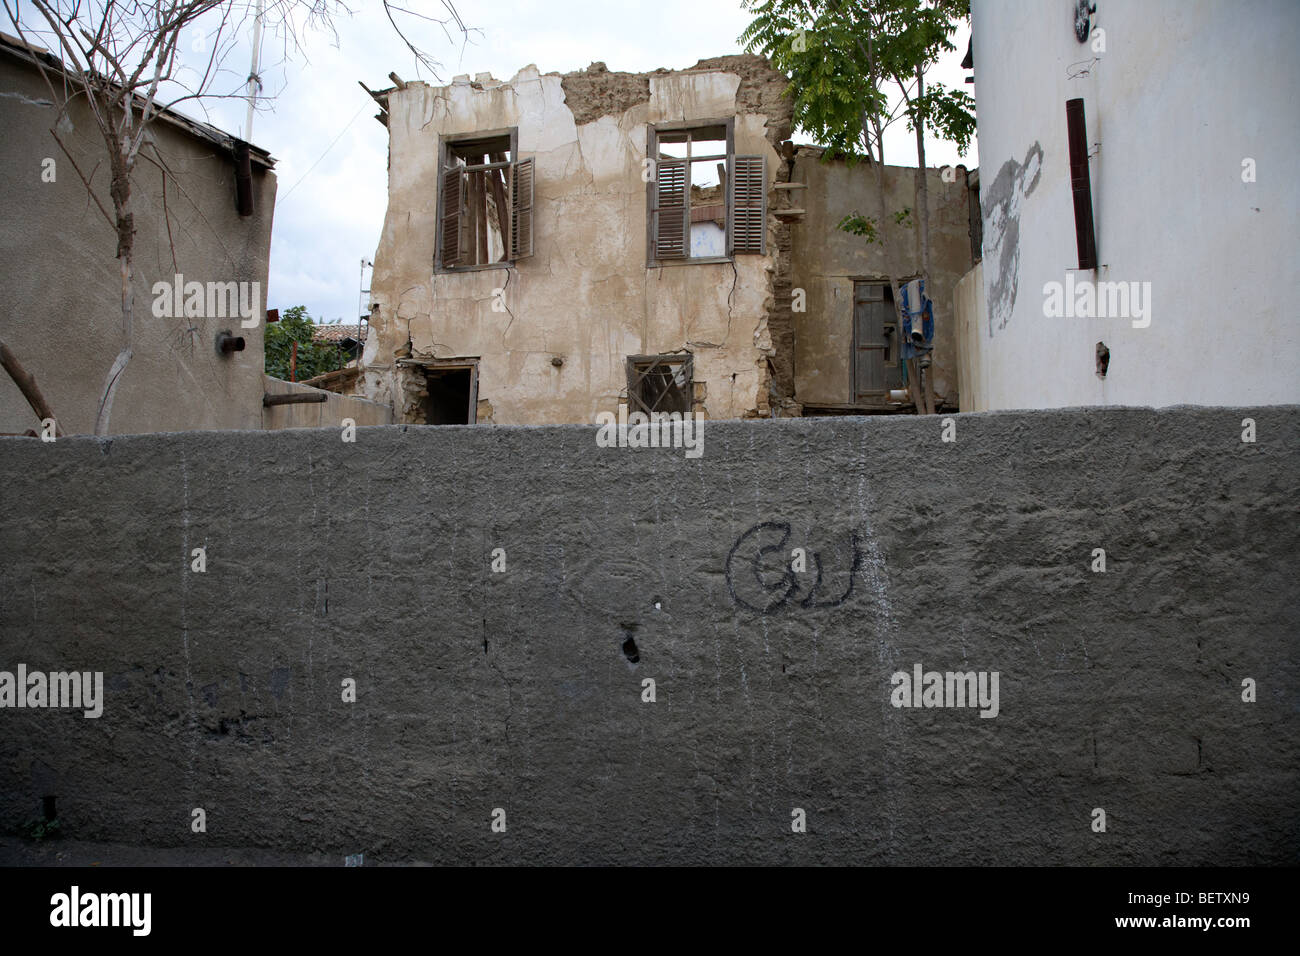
point(918, 320)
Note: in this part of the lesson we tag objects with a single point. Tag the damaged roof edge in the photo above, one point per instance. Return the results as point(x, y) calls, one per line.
point(36, 56)
point(598, 91)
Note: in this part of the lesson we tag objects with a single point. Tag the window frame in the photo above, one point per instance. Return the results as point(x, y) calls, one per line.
point(450, 365)
point(686, 359)
point(652, 152)
point(445, 141)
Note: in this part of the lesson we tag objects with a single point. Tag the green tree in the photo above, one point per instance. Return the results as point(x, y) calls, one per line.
point(845, 58)
point(314, 358)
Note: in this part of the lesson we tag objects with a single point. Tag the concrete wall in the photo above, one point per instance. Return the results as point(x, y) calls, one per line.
point(827, 260)
point(479, 690)
point(586, 296)
point(330, 412)
point(61, 286)
point(1184, 92)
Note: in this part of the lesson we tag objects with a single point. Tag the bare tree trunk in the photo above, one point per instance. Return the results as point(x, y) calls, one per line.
point(878, 167)
point(26, 383)
point(923, 223)
point(122, 155)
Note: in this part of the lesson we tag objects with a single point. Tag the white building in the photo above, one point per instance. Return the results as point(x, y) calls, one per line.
point(1192, 151)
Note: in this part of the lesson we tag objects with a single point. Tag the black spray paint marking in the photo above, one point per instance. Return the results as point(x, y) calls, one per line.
point(782, 591)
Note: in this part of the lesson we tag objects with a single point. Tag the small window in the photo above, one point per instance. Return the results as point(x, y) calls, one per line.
point(705, 202)
point(486, 202)
point(659, 383)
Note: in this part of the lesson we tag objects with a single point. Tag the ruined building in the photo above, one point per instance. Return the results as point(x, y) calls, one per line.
point(558, 245)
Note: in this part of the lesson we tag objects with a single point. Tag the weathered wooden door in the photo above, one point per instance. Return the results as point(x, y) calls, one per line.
point(872, 315)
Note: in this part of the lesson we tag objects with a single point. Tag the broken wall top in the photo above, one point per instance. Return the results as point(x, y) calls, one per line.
point(597, 91)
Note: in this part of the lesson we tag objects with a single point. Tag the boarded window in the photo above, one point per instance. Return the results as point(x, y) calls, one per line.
point(659, 383)
point(486, 203)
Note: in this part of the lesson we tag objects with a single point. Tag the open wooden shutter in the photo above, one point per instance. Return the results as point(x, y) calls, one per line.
point(1081, 184)
point(748, 205)
point(672, 233)
point(521, 210)
point(453, 204)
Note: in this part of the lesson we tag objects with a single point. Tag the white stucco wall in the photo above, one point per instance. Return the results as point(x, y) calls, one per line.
point(1184, 91)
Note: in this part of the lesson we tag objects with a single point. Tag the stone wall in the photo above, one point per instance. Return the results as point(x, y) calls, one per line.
point(523, 689)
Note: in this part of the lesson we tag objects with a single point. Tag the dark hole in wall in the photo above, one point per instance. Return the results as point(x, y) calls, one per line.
point(48, 807)
point(448, 400)
point(1103, 359)
point(630, 650)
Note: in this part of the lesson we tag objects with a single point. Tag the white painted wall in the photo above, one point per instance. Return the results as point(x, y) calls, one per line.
point(1184, 91)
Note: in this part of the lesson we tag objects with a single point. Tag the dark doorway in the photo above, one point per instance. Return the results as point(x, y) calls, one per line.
point(450, 394)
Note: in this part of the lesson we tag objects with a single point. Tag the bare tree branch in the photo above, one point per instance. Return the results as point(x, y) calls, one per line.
point(26, 383)
point(124, 57)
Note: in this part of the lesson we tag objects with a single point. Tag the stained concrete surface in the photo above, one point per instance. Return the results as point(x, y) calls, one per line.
point(479, 690)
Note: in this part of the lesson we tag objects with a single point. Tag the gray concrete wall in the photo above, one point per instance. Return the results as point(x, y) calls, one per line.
point(61, 286)
point(481, 690)
point(328, 413)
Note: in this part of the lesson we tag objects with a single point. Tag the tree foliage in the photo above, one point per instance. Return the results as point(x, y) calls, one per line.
point(847, 59)
point(844, 56)
point(314, 358)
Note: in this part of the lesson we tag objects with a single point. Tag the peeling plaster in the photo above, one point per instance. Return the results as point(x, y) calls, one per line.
point(1002, 202)
point(586, 293)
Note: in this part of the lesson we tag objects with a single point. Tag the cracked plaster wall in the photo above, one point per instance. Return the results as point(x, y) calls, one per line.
point(586, 295)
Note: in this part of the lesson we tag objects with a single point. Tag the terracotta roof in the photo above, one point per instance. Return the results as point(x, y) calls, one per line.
point(335, 333)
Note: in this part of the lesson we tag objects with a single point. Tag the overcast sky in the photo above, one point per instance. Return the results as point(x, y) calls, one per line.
point(332, 155)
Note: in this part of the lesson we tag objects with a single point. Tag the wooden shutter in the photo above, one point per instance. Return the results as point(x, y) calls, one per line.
point(521, 210)
point(671, 230)
point(1081, 184)
point(748, 202)
point(453, 203)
